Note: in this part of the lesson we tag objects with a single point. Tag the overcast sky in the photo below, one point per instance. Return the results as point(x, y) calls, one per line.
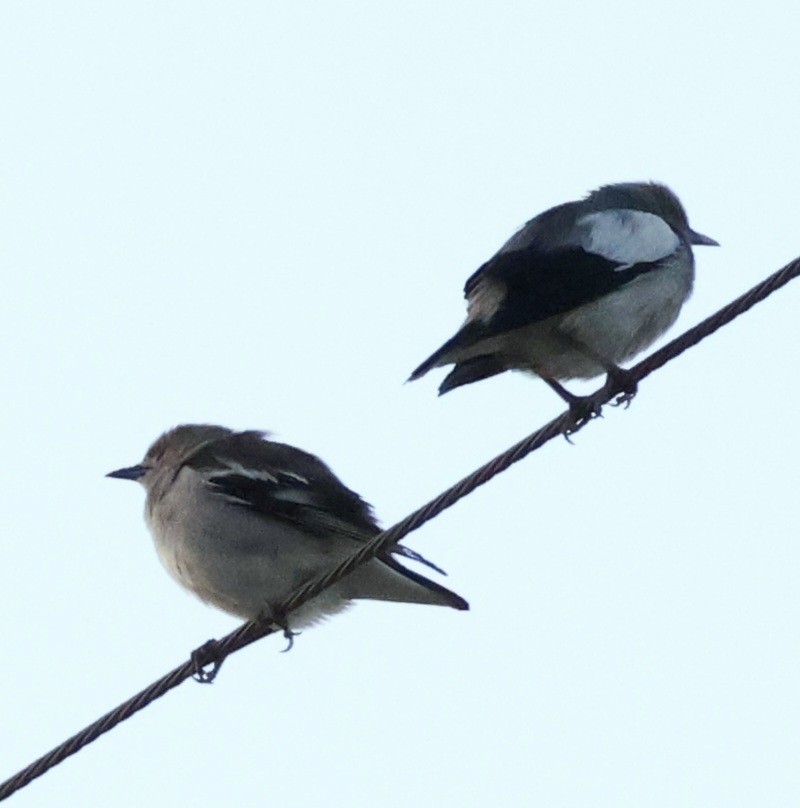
point(261, 214)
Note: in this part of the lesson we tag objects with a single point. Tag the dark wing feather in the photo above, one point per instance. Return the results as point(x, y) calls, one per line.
point(544, 284)
point(282, 482)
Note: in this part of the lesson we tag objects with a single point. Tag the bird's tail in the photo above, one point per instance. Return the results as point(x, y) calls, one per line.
point(384, 578)
point(449, 352)
point(471, 370)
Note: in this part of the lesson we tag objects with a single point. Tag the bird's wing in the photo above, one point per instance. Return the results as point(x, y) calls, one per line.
point(534, 277)
point(281, 482)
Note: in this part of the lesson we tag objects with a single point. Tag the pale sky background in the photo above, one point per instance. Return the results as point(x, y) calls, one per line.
point(261, 214)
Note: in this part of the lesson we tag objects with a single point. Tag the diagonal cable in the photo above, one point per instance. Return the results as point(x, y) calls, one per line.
point(217, 650)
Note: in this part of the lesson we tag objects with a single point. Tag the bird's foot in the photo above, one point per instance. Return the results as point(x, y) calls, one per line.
point(279, 619)
point(620, 385)
point(289, 636)
point(207, 654)
point(619, 390)
point(582, 409)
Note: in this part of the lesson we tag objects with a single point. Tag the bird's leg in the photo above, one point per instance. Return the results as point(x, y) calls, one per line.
point(207, 654)
point(581, 408)
point(619, 383)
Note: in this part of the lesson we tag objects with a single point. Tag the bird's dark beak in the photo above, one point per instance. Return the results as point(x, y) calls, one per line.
point(130, 473)
point(699, 238)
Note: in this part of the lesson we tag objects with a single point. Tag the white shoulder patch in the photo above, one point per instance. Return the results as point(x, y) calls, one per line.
point(627, 236)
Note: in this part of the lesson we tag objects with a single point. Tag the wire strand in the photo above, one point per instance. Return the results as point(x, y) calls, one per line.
point(252, 631)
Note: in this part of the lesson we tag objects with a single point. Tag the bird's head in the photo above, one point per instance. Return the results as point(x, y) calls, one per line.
point(166, 456)
point(650, 197)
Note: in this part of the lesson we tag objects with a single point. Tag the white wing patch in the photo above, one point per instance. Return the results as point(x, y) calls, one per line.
point(285, 485)
point(627, 236)
point(232, 467)
point(294, 488)
point(296, 477)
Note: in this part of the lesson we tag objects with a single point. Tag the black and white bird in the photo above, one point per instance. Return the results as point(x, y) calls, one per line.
point(243, 522)
point(578, 290)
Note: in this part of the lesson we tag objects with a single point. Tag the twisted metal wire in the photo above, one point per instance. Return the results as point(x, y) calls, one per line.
point(216, 650)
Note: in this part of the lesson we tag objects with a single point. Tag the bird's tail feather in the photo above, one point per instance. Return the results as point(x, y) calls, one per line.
point(384, 578)
point(471, 370)
point(448, 352)
point(407, 552)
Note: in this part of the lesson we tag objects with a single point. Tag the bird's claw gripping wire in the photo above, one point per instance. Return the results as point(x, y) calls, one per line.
point(622, 386)
point(582, 409)
point(207, 654)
